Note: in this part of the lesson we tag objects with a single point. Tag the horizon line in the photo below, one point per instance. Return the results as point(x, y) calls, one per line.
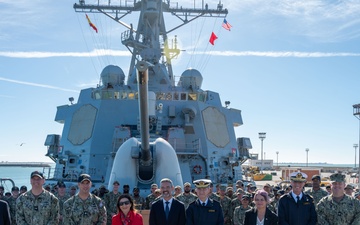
point(109, 52)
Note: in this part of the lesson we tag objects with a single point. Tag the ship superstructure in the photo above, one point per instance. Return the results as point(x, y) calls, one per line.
point(116, 132)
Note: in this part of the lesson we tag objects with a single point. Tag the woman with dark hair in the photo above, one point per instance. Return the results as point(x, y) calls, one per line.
point(127, 214)
point(260, 214)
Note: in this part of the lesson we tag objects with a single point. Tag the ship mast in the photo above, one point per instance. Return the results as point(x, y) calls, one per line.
point(150, 42)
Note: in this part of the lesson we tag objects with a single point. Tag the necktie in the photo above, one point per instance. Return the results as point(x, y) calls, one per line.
point(203, 204)
point(297, 199)
point(167, 210)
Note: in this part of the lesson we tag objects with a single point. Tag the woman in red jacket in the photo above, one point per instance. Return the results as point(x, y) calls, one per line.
point(126, 215)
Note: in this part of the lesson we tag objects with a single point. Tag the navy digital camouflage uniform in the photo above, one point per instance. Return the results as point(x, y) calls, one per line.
point(239, 215)
point(346, 212)
point(110, 200)
point(37, 210)
point(12, 205)
point(343, 212)
point(62, 199)
point(139, 202)
point(91, 211)
point(225, 203)
point(317, 195)
point(186, 199)
point(149, 200)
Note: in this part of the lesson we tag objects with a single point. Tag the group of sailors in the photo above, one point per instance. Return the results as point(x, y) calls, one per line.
point(291, 205)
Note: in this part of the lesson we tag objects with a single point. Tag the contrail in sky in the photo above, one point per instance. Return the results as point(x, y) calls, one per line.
point(103, 52)
point(36, 85)
point(280, 54)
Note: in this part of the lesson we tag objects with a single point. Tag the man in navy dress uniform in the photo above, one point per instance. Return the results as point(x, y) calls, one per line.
point(296, 207)
point(204, 210)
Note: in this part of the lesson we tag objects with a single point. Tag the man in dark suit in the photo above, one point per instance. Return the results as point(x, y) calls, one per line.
point(296, 207)
point(4, 213)
point(167, 210)
point(204, 211)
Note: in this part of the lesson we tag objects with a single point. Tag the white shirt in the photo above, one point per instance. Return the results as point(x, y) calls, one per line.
point(164, 203)
point(294, 196)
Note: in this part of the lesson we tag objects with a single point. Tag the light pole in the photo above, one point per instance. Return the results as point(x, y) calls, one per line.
point(307, 156)
point(262, 136)
point(355, 146)
point(277, 159)
point(356, 113)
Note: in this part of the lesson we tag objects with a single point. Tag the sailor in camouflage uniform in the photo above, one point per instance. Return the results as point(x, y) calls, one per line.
point(230, 193)
point(84, 208)
point(338, 208)
point(37, 206)
point(213, 195)
point(151, 197)
point(111, 200)
point(62, 196)
point(139, 202)
point(12, 203)
point(225, 203)
point(239, 212)
point(187, 196)
point(316, 191)
point(237, 201)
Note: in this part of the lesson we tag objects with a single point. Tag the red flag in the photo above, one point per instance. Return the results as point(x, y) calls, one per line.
point(226, 25)
point(213, 37)
point(91, 24)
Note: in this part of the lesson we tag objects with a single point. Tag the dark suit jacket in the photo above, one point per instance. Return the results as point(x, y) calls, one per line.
point(292, 213)
point(4, 213)
point(251, 217)
point(177, 214)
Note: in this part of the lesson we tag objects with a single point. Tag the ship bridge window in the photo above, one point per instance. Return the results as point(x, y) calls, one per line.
point(131, 95)
point(202, 97)
point(116, 95)
point(123, 95)
point(160, 96)
point(192, 96)
point(168, 96)
point(97, 95)
point(107, 94)
point(183, 96)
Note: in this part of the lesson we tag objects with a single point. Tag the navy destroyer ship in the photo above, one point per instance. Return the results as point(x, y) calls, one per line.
point(141, 127)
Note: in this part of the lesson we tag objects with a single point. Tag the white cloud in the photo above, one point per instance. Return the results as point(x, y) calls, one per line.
point(36, 84)
point(94, 53)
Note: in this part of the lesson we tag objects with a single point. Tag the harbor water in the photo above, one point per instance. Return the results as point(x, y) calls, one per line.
point(20, 175)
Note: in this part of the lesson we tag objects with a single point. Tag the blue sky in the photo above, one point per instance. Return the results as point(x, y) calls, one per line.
point(290, 66)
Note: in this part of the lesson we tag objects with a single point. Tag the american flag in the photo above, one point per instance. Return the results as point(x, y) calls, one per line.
point(226, 25)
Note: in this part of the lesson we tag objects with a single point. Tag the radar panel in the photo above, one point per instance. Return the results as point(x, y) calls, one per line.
point(215, 127)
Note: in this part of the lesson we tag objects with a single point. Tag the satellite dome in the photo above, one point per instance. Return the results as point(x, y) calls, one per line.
point(191, 78)
point(112, 75)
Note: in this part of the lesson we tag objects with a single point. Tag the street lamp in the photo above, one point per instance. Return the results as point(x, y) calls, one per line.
point(355, 146)
point(307, 156)
point(262, 136)
point(277, 158)
point(356, 113)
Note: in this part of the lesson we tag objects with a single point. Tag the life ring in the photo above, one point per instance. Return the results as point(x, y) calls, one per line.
point(197, 169)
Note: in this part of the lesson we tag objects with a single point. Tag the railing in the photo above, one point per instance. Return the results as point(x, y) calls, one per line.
point(186, 148)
